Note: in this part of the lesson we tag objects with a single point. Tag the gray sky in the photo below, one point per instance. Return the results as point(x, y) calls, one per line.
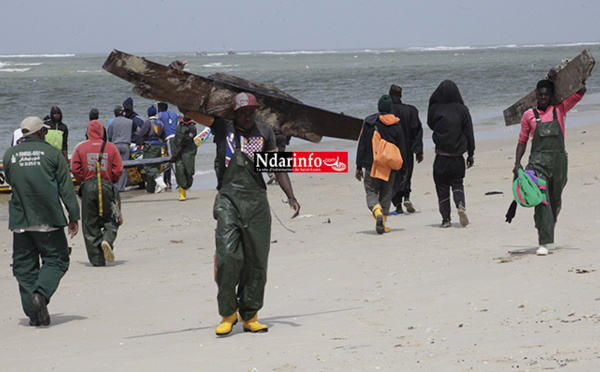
point(88, 26)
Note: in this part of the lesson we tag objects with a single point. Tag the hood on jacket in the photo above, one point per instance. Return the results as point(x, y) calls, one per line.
point(95, 131)
point(56, 110)
point(383, 117)
point(446, 92)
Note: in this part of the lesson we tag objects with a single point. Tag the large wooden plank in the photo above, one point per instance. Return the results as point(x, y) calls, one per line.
point(213, 95)
point(568, 81)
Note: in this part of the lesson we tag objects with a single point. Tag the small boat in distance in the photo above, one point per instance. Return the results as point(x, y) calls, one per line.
point(201, 53)
point(230, 52)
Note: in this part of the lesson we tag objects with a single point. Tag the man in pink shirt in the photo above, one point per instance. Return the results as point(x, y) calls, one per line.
point(545, 125)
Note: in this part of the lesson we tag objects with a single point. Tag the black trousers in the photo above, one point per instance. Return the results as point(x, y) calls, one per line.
point(449, 172)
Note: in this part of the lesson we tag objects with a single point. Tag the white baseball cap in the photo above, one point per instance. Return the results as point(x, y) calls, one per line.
point(32, 124)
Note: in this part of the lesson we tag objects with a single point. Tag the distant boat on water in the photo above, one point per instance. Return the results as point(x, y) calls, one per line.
point(201, 53)
point(230, 51)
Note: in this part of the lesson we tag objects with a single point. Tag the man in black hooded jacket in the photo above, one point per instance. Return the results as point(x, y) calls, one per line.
point(58, 133)
point(413, 144)
point(450, 121)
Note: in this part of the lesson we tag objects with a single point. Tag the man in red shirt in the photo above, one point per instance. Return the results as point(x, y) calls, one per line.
point(100, 200)
point(545, 125)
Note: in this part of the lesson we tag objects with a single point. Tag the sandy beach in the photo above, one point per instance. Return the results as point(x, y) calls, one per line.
point(339, 297)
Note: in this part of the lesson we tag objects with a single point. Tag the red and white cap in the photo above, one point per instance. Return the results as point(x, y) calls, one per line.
point(244, 100)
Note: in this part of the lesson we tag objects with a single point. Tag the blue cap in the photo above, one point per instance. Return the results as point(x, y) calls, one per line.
point(128, 103)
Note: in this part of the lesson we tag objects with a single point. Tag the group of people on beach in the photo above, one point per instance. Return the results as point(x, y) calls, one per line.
point(38, 172)
point(391, 137)
point(37, 168)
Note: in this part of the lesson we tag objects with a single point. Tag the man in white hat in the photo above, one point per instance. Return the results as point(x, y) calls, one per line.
point(40, 180)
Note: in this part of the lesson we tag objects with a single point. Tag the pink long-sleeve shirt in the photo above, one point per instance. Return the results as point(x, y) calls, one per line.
point(528, 122)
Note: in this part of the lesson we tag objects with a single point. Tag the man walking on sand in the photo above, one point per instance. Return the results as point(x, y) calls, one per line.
point(100, 199)
point(184, 155)
point(40, 181)
point(450, 121)
point(382, 127)
point(241, 208)
point(545, 125)
point(412, 131)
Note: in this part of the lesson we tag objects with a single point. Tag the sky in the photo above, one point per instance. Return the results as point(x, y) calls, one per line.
point(134, 26)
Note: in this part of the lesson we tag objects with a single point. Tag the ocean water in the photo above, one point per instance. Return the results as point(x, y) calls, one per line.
point(490, 78)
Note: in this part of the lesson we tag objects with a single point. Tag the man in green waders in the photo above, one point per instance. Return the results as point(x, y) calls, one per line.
point(241, 209)
point(152, 135)
point(184, 156)
point(97, 165)
point(545, 125)
point(40, 181)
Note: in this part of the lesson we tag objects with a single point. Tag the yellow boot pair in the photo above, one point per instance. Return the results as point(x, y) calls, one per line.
point(250, 325)
point(226, 325)
point(380, 218)
point(182, 194)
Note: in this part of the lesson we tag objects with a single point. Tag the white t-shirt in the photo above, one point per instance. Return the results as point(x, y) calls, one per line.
point(17, 134)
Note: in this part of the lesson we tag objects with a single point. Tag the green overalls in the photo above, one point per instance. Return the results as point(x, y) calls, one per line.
point(548, 159)
point(98, 228)
point(153, 149)
point(242, 237)
point(185, 165)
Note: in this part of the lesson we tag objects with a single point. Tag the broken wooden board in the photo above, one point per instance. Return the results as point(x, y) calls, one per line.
point(213, 96)
point(568, 81)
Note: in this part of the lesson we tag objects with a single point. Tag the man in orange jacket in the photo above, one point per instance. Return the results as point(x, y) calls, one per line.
point(378, 188)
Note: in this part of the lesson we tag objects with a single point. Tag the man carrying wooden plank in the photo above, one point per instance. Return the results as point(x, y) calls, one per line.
point(545, 125)
point(242, 211)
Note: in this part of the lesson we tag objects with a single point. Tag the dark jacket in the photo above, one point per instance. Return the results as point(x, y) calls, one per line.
point(40, 180)
point(391, 132)
point(138, 122)
point(58, 133)
point(450, 121)
point(411, 126)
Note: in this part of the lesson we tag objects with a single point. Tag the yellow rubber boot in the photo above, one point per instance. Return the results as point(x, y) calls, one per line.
point(379, 217)
point(181, 194)
point(252, 325)
point(385, 228)
point(226, 325)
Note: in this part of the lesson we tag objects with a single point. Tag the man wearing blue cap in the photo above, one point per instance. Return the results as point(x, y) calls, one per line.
point(152, 135)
